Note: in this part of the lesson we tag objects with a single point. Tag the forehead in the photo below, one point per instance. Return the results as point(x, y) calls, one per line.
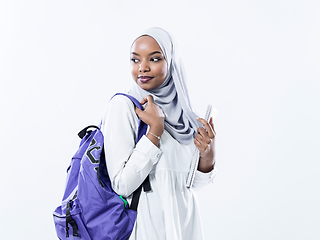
point(145, 44)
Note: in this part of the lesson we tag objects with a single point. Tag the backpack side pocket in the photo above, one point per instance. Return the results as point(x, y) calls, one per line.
point(70, 225)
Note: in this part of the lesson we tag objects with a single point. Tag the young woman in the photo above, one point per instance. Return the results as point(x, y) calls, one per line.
point(169, 210)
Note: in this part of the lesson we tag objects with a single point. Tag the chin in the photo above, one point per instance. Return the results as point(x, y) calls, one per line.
point(146, 87)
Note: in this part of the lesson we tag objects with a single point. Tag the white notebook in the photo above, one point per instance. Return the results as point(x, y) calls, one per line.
point(195, 160)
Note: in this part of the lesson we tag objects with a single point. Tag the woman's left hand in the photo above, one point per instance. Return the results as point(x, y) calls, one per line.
point(204, 141)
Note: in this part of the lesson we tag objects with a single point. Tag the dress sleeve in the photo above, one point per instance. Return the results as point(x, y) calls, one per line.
point(202, 179)
point(128, 163)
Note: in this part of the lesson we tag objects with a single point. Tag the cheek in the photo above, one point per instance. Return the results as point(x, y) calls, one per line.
point(134, 71)
point(163, 71)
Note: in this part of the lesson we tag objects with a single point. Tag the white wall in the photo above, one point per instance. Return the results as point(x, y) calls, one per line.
point(257, 62)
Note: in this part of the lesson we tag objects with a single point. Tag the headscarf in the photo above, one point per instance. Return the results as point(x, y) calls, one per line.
point(172, 96)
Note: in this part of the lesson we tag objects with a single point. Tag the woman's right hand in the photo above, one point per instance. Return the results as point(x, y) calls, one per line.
point(152, 115)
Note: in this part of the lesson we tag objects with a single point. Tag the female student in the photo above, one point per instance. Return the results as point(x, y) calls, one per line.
point(169, 210)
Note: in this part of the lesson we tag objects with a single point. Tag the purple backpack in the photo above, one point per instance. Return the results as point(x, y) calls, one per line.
point(90, 209)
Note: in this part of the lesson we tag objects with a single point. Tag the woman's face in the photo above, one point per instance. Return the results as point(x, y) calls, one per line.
point(148, 65)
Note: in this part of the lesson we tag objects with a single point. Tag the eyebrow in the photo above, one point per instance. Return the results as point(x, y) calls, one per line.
point(155, 52)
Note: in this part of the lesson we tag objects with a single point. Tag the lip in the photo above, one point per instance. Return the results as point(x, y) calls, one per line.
point(144, 79)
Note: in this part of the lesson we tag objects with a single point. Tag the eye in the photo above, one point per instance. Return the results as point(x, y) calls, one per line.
point(134, 60)
point(155, 59)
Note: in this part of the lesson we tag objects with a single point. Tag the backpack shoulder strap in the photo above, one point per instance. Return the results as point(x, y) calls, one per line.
point(142, 129)
point(133, 99)
point(136, 194)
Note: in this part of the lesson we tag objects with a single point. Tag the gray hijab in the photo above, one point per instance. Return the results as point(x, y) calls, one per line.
point(172, 96)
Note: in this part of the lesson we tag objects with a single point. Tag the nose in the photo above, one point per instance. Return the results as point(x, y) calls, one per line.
point(144, 67)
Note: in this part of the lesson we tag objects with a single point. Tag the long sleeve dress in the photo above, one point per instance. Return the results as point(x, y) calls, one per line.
point(169, 210)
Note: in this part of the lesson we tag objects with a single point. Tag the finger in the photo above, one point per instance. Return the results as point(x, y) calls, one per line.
point(144, 100)
point(204, 135)
point(199, 145)
point(138, 112)
point(203, 141)
point(207, 127)
point(150, 98)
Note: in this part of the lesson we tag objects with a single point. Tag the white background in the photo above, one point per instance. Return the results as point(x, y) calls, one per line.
point(257, 62)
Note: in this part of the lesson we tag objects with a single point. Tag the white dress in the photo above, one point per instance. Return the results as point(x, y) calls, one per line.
point(170, 210)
